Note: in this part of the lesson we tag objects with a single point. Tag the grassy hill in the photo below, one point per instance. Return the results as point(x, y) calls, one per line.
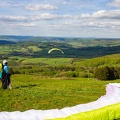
point(50, 81)
point(33, 92)
point(108, 60)
point(62, 67)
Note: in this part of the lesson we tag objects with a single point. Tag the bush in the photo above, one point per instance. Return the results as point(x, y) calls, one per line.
point(83, 74)
point(11, 71)
point(72, 74)
point(17, 72)
point(117, 73)
point(48, 73)
point(61, 74)
point(106, 73)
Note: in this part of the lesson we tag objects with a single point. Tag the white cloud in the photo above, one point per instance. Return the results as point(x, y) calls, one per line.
point(40, 7)
point(48, 16)
point(94, 21)
point(101, 14)
point(112, 14)
point(85, 15)
point(13, 18)
point(64, 3)
point(115, 3)
point(44, 16)
point(62, 18)
point(23, 25)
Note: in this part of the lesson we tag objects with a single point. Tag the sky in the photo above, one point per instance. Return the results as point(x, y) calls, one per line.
point(60, 18)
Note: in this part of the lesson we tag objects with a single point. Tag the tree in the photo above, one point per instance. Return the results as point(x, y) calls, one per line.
point(102, 73)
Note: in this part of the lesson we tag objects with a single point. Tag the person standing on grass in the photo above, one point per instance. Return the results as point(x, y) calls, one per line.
point(6, 76)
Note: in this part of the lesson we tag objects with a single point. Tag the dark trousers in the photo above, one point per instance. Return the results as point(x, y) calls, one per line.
point(5, 81)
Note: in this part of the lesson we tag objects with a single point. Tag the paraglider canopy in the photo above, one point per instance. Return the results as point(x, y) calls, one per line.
point(55, 49)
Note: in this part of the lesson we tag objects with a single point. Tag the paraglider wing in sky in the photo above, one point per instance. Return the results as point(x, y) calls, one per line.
point(55, 49)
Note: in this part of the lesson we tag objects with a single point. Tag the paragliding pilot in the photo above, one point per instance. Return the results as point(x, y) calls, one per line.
point(6, 76)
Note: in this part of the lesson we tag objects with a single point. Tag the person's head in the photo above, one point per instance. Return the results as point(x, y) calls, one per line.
point(5, 62)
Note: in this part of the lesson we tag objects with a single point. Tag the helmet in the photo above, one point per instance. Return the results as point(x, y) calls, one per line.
point(5, 61)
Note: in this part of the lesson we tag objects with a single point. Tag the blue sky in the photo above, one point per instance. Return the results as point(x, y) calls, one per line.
point(61, 18)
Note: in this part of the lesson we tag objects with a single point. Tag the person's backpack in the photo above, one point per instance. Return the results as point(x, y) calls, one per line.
point(3, 77)
point(1, 70)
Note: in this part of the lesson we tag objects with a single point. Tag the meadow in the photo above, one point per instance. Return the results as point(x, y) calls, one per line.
point(54, 81)
point(34, 92)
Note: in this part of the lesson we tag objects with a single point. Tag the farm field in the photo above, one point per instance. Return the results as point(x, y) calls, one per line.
point(34, 92)
point(48, 61)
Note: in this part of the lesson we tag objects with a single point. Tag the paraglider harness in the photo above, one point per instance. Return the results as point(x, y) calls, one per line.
point(4, 76)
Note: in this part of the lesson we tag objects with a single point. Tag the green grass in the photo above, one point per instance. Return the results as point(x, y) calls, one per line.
point(111, 60)
point(33, 92)
point(31, 48)
point(49, 61)
point(5, 49)
point(9, 48)
point(34, 48)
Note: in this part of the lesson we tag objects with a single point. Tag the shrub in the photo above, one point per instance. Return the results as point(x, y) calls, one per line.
point(102, 73)
point(117, 73)
point(11, 71)
point(61, 74)
point(17, 72)
point(83, 74)
point(72, 74)
point(106, 73)
point(48, 73)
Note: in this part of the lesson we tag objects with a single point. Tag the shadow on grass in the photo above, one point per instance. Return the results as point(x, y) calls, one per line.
point(25, 86)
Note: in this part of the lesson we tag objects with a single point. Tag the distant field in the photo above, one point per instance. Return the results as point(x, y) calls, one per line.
point(29, 49)
point(8, 48)
point(33, 92)
point(5, 49)
point(72, 48)
point(49, 61)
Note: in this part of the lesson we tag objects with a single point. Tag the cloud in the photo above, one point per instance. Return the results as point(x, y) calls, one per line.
point(13, 18)
point(23, 25)
point(115, 3)
point(41, 7)
point(86, 25)
point(64, 3)
point(48, 16)
point(10, 4)
point(85, 15)
point(60, 18)
point(43, 16)
point(103, 14)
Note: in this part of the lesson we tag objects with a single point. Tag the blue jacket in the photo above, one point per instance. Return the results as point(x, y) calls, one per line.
point(5, 68)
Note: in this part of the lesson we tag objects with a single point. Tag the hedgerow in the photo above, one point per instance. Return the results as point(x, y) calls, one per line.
point(107, 73)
